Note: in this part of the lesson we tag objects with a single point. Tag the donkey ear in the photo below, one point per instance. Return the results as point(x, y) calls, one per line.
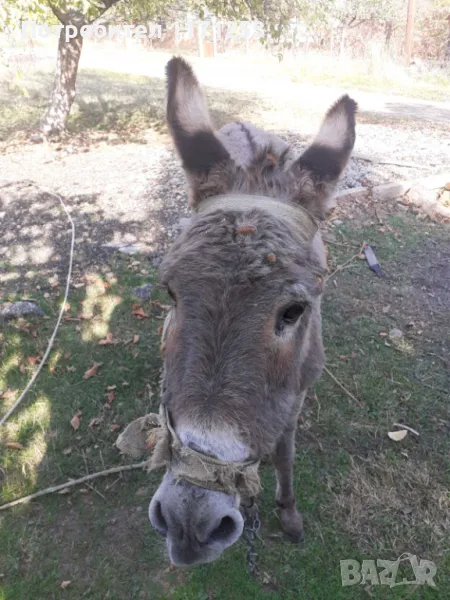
point(204, 158)
point(324, 160)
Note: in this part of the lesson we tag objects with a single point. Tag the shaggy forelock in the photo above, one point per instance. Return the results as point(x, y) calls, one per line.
point(213, 245)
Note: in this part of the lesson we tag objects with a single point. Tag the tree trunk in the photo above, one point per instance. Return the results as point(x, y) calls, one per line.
point(342, 42)
point(55, 118)
point(447, 47)
point(388, 34)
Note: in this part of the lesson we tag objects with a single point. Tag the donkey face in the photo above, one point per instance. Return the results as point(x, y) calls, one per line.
point(244, 339)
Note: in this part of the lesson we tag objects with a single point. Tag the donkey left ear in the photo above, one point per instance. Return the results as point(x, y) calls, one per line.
point(324, 160)
point(205, 159)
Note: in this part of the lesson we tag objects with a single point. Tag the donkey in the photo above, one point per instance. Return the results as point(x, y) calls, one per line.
point(243, 342)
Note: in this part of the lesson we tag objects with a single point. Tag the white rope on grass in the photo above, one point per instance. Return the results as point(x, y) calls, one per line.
point(73, 482)
point(61, 312)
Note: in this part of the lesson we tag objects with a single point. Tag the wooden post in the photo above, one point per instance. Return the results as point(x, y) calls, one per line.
point(214, 36)
point(409, 30)
point(201, 51)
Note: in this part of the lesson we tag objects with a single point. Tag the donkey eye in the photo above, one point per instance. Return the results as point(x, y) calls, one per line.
point(290, 315)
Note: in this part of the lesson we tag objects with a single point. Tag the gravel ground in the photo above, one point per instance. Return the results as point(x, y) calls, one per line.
point(136, 192)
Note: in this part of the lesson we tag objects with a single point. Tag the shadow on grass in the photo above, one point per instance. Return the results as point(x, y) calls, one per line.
point(98, 536)
point(113, 102)
point(100, 533)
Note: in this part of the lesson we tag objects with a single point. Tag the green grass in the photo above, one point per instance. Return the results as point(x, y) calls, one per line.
point(122, 105)
point(363, 496)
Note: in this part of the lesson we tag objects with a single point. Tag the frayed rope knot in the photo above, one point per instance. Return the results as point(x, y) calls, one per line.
point(153, 433)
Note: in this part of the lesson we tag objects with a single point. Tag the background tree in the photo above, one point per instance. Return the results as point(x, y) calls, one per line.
point(70, 16)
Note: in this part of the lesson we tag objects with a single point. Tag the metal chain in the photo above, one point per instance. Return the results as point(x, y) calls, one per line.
point(252, 525)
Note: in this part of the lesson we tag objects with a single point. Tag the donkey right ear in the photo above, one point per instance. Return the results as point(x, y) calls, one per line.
point(205, 159)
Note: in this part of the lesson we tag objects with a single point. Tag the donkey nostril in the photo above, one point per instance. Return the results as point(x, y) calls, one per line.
point(157, 518)
point(223, 531)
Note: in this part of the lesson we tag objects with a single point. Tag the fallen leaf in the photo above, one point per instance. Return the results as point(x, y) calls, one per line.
point(108, 340)
point(110, 396)
point(398, 436)
point(93, 370)
point(266, 578)
point(136, 339)
point(14, 445)
point(8, 394)
point(32, 360)
point(22, 368)
point(111, 387)
point(75, 421)
point(66, 306)
point(85, 317)
point(95, 421)
point(140, 313)
point(114, 426)
point(67, 355)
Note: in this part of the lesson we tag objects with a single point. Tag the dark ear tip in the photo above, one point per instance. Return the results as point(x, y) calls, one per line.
point(351, 104)
point(178, 65)
point(345, 102)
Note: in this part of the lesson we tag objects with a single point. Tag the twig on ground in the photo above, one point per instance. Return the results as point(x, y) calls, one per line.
point(96, 491)
point(376, 161)
point(73, 482)
point(403, 426)
point(343, 387)
point(347, 262)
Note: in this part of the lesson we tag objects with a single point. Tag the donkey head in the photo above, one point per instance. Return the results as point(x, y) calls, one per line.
point(244, 338)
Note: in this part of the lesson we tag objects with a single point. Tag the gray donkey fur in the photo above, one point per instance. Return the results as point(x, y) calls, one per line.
point(244, 341)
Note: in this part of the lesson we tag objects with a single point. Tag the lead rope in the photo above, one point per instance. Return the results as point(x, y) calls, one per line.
point(252, 525)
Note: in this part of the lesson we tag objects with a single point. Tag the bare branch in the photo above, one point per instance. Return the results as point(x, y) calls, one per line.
point(62, 17)
point(63, 486)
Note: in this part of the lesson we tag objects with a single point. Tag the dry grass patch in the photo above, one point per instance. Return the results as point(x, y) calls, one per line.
point(399, 505)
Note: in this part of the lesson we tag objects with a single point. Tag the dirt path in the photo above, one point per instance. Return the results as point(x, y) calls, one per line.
point(134, 191)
